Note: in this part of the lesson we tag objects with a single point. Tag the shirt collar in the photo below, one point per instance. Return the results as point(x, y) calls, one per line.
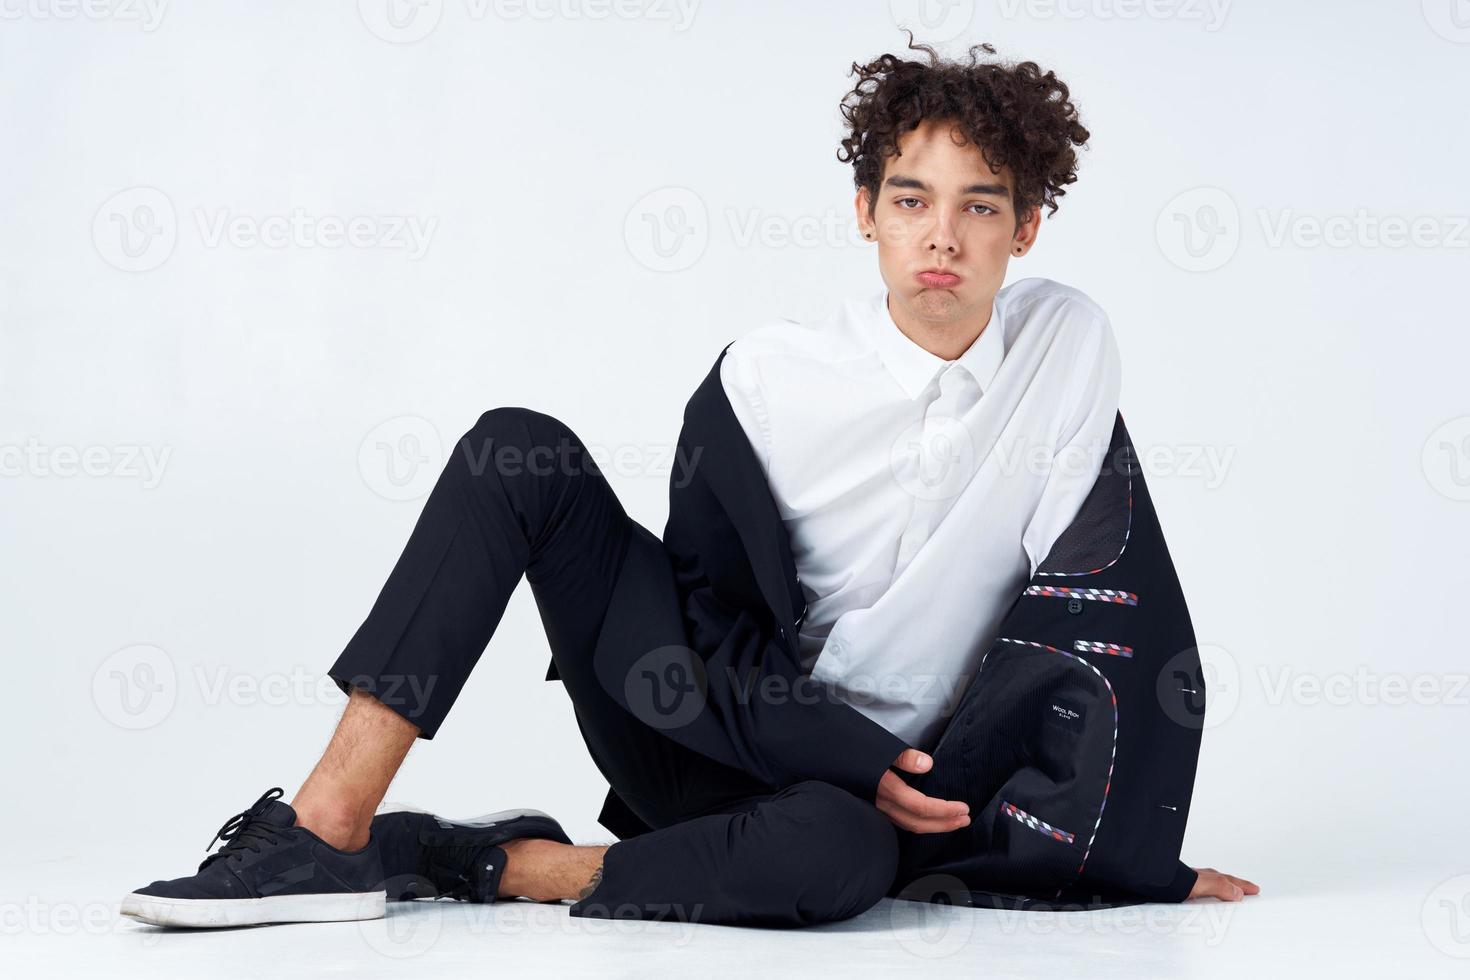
point(914, 367)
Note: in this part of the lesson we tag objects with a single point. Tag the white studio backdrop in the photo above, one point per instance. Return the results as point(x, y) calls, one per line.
point(261, 264)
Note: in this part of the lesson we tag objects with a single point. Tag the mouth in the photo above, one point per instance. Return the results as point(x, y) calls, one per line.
point(937, 279)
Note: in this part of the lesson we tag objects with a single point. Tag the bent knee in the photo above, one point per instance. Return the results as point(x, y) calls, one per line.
point(848, 853)
point(518, 424)
point(517, 440)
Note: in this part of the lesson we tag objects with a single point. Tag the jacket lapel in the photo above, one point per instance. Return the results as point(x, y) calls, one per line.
point(730, 468)
point(734, 476)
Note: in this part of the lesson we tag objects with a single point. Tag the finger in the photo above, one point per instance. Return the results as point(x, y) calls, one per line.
point(928, 825)
point(1215, 885)
point(905, 796)
point(922, 825)
point(891, 793)
point(1245, 886)
point(899, 817)
point(912, 760)
point(1249, 887)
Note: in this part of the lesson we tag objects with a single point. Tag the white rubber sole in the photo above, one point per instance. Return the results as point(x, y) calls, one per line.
point(484, 820)
point(209, 913)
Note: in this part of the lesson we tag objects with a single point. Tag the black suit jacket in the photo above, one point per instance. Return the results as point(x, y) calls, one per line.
point(700, 640)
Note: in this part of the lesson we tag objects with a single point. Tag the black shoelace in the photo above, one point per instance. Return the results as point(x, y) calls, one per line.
point(454, 867)
point(246, 831)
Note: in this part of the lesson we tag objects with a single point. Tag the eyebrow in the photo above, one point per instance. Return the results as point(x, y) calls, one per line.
point(913, 183)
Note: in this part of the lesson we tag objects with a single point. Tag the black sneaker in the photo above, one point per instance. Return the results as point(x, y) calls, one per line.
point(427, 856)
point(269, 870)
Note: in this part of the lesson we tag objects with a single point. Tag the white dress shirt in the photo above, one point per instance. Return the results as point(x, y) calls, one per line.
point(921, 494)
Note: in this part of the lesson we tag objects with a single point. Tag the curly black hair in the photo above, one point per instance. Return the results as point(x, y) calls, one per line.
point(1018, 115)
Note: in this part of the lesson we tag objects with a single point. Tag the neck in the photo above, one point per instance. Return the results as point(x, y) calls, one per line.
point(944, 338)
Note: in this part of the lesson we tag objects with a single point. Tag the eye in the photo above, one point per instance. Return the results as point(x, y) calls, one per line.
point(987, 207)
point(900, 201)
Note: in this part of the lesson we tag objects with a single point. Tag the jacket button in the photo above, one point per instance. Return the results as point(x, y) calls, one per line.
point(1074, 606)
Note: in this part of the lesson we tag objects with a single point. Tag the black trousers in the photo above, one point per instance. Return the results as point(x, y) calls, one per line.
point(520, 495)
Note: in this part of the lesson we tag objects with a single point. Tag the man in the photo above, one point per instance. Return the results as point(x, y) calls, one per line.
point(767, 688)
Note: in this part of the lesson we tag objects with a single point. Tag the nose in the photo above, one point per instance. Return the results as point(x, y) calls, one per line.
point(942, 237)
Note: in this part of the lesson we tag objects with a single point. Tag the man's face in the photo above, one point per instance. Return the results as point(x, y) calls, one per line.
point(940, 206)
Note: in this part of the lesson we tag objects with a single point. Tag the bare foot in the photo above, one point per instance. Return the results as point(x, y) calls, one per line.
point(547, 870)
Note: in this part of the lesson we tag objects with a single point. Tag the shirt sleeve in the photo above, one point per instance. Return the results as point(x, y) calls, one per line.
point(1082, 440)
point(741, 380)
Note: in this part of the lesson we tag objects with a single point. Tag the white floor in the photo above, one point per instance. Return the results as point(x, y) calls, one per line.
point(1346, 921)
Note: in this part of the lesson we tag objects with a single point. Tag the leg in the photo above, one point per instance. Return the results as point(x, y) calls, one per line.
point(338, 799)
point(542, 510)
point(519, 495)
point(810, 853)
point(547, 871)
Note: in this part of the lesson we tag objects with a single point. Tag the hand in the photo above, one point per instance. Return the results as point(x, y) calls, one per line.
point(912, 810)
point(1227, 888)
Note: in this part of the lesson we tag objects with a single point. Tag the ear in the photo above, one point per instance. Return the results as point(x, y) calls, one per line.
point(1026, 232)
point(866, 226)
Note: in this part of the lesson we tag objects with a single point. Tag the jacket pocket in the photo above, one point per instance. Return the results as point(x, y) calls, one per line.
point(1037, 752)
